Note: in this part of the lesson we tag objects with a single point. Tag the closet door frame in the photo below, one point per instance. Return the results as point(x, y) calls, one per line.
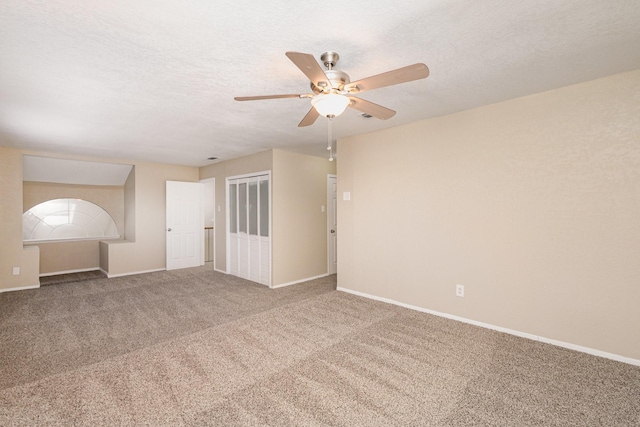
point(234, 240)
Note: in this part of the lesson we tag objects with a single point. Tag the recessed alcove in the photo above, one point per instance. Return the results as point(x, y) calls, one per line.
point(103, 185)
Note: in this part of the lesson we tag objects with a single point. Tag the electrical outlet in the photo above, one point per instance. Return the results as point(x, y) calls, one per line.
point(16, 271)
point(460, 290)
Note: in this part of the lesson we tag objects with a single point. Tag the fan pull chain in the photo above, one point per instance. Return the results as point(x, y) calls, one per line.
point(329, 138)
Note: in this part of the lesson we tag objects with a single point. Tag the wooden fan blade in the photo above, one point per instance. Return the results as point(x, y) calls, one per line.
point(310, 118)
point(394, 77)
point(310, 67)
point(375, 110)
point(256, 98)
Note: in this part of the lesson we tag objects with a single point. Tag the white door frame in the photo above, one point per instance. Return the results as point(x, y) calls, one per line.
point(215, 215)
point(330, 247)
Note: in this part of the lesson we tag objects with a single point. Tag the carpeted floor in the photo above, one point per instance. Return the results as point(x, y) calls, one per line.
point(196, 347)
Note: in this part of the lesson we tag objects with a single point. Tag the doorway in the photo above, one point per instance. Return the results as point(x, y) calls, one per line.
point(209, 209)
point(184, 224)
point(332, 224)
point(249, 227)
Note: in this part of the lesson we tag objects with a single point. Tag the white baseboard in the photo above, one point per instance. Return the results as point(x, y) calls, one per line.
point(219, 271)
point(110, 276)
point(81, 270)
point(563, 344)
point(282, 285)
point(21, 288)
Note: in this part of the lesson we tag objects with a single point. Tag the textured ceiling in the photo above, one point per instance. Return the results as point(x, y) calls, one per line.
point(155, 80)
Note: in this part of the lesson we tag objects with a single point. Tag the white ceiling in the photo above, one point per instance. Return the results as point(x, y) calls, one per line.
point(155, 80)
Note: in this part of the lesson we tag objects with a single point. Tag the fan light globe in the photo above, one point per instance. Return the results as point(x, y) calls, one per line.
point(330, 104)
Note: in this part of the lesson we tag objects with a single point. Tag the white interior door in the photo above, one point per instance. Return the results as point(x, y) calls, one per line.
point(249, 241)
point(332, 224)
point(185, 224)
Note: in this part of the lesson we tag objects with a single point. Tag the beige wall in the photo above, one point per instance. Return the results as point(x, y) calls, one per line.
point(299, 185)
point(148, 251)
point(62, 257)
point(532, 204)
point(12, 253)
point(130, 206)
point(56, 257)
point(103, 254)
point(259, 162)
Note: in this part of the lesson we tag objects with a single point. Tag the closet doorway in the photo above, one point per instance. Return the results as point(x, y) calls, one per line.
point(249, 227)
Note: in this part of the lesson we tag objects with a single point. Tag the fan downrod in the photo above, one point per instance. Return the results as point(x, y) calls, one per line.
point(330, 59)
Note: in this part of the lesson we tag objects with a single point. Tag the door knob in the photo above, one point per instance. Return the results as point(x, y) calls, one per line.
point(333, 231)
point(168, 229)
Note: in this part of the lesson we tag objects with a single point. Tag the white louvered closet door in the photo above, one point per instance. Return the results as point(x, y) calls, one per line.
point(249, 248)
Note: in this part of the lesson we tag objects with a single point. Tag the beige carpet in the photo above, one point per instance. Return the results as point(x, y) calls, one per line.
point(196, 347)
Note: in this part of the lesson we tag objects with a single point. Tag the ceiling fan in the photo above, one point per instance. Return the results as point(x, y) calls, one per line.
point(333, 90)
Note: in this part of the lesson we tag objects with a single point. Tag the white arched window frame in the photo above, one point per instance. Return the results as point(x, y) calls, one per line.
point(67, 219)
